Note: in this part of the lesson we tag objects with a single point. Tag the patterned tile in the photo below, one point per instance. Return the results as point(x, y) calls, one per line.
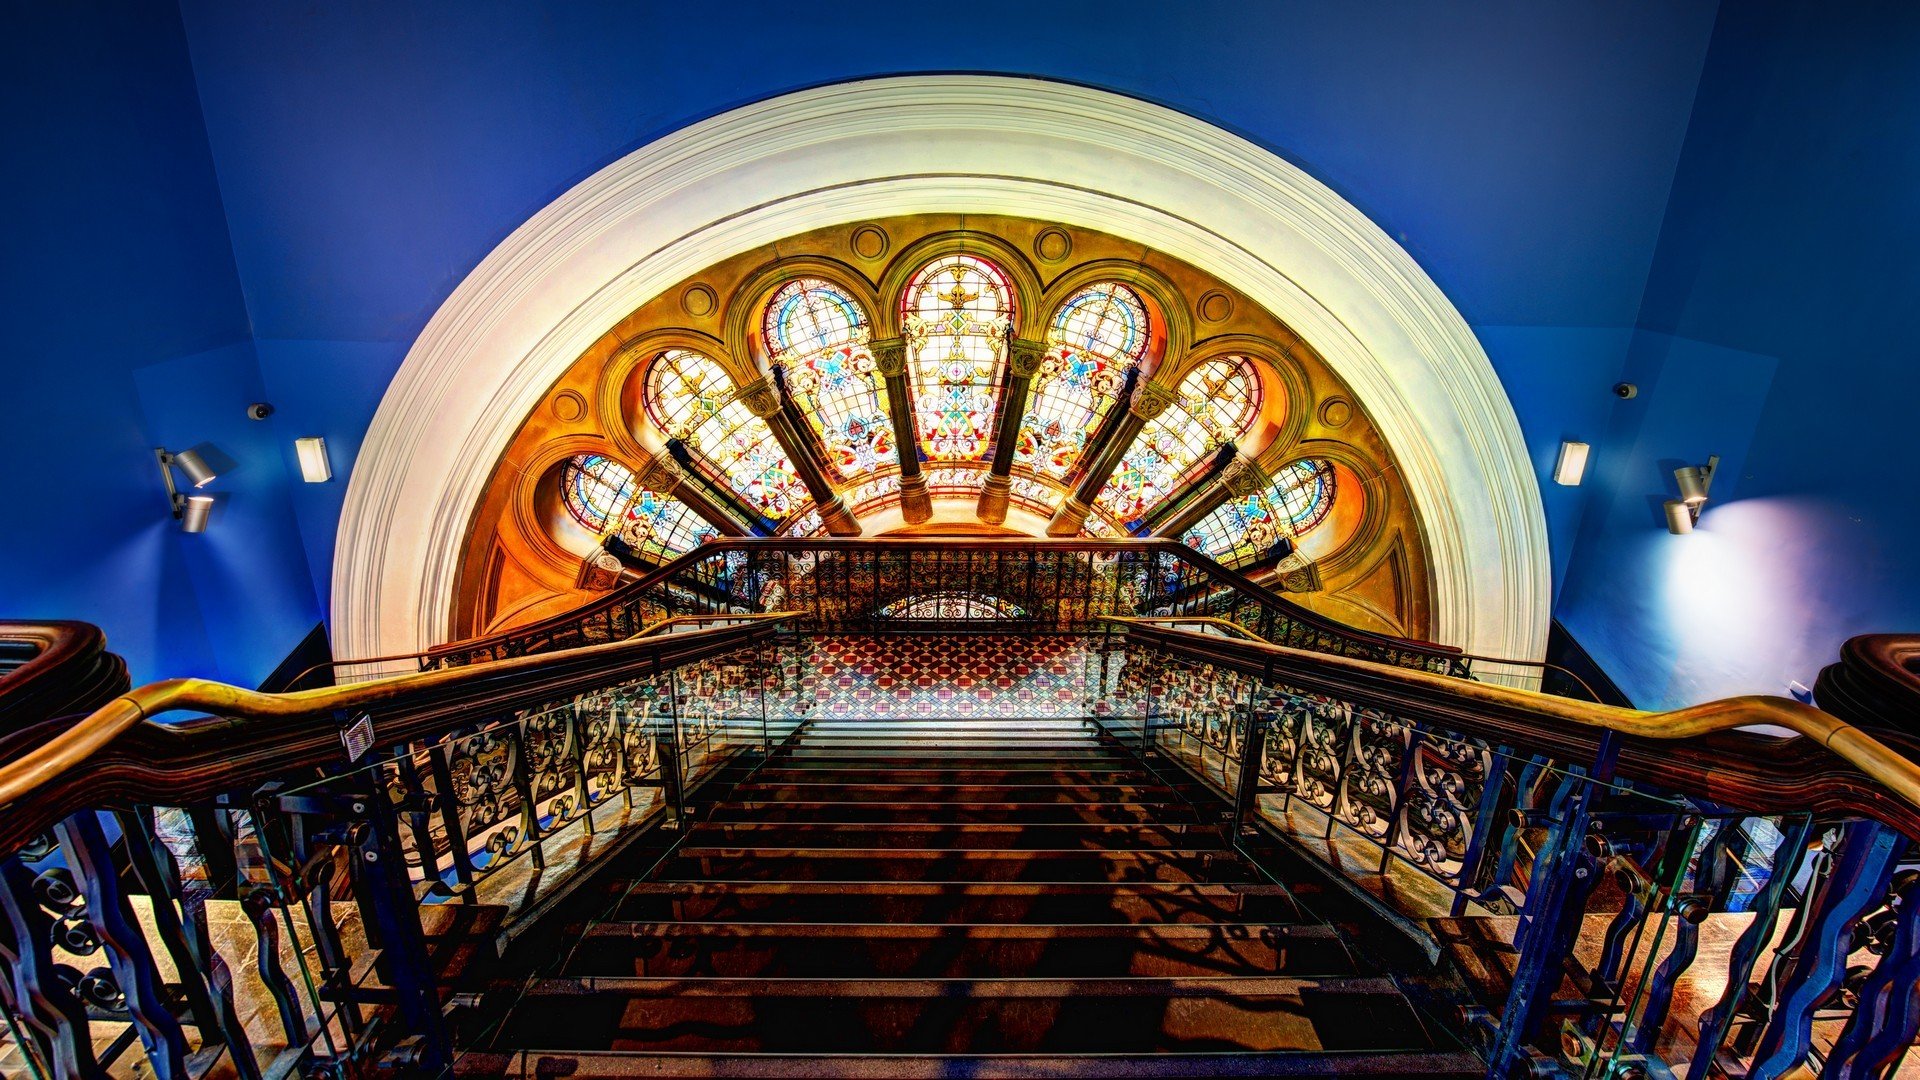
point(947, 676)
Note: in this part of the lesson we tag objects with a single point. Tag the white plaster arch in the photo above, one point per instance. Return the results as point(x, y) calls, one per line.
point(943, 143)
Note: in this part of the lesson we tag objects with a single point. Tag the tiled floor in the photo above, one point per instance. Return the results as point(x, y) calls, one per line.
point(948, 676)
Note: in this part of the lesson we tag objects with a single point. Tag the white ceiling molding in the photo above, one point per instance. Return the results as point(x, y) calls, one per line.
point(949, 143)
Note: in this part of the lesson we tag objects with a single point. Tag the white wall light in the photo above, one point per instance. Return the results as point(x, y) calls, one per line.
point(312, 451)
point(1572, 466)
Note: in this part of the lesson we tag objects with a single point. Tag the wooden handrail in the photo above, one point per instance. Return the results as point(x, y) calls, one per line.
point(254, 736)
point(625, 593)
point(1721, 762)
point(70, 670)
point(1876, 683)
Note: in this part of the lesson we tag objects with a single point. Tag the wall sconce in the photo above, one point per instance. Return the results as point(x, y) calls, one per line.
point(1572, 466)
point(1694, 482)
point(189, 510)
point(312, 452)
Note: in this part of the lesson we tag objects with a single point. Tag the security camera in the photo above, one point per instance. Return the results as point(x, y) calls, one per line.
point(259, 410)
point(1625, 390)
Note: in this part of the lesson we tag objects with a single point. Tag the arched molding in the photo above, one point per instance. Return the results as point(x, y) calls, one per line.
point(623, 385)
point(1010, 259)
point(1375, 509)
point(1172, 333)
point(958, 144)
point(747, 306)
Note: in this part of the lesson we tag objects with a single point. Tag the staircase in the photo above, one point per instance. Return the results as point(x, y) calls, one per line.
point(951, 897)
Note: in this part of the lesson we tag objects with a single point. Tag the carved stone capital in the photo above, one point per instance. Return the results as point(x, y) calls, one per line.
point(1243, 479)
point(662, 476)
point(890, 356)
point(760, 397)
point(1298, 574)
point(1150, 400)
point(1025, 356)
point(600, 571)
point(994, 497)
point(916, 503)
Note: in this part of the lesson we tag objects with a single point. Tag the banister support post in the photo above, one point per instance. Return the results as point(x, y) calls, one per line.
point(1563, 875)
point(1856, 882)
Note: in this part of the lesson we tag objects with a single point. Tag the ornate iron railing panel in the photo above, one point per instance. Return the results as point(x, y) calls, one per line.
point(1629, 897)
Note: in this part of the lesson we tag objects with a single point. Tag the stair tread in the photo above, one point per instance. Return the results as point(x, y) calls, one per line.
point(932, 897)
point(678, 987)
point(592, 1065)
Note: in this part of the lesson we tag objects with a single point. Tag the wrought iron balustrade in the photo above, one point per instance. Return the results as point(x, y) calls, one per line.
point(136, 851)
point(1040, 586)
point(1626, 853)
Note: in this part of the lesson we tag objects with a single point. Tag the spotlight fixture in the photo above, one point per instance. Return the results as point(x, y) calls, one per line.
point(190, 511)
point(1694, 482)
point(199, 473)
point(312, 451)
point(193, 512)
point(1572, 466)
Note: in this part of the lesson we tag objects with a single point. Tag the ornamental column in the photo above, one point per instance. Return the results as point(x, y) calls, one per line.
point(890, 359)
point(763, 401)
point(667, 478)
point(1023, 359)
point(703, 493)
point(1149, 400)
point(1240, 479)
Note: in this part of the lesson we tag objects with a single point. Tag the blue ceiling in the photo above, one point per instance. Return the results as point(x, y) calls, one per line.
point(274, 198)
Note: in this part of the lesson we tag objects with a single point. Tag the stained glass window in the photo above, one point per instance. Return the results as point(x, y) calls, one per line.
point(1245, 527)
point(818, 335)
point(1097, 335)
point(1239, 531)
point(659, 526)
point(1303, 493)
point(957, 314)
point(595, 488)
point(691, 398)
point(1216, 404)
point(952, 606)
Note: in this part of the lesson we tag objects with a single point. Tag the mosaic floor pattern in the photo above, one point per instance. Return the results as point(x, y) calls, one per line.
point(949, 676)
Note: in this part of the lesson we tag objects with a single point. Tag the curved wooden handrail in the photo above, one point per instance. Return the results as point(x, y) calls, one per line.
point(1230, 578)
point(1721, 762)
point(68, 670)
point(1876, 683)
point(252, 736)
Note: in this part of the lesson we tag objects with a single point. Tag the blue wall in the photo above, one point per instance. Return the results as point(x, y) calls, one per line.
point(1777, 333)
point(282, 215)
point(125, 330)
point(371, 155)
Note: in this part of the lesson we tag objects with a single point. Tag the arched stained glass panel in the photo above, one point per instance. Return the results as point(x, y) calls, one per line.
point(657, 527)
point(957, 315)
point(1239, 531)
point(1098, 334)
point(1217, 404)
point(1303, 493)
point(1245, 527)
point(595, 488)
point(690, 398)
point(818, 335)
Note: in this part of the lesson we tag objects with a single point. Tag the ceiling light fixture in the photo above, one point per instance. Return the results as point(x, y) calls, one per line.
point(1694, 482)
point(314, 467)
point(190, 511)
point(1572, 466)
